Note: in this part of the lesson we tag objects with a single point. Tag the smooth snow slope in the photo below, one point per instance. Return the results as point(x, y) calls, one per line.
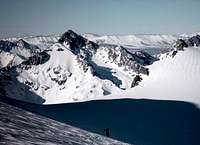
point(19, 127)
point(170, 78)
point(174, 79)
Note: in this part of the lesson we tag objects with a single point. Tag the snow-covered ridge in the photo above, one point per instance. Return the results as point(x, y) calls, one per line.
point(70, 67)
point(138, 39)
point(171, 79)
point(134, 40)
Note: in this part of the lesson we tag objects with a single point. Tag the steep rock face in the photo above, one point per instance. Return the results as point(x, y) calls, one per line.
point(180, 44)
point(85, 49)
point(189, 42)
point(15, 52)
point(23, 44)
point(134, 62)
point(194, 41)
point(11, 46)
point(81, 47)
point(77, 43)
point(6, 45)
point(39, 58)
point(136, 80)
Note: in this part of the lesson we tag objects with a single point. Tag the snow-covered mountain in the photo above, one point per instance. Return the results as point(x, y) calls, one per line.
point(71, 67)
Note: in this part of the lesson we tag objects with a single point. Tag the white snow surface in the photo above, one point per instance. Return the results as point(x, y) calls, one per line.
point(170, 78)
point(134, 40)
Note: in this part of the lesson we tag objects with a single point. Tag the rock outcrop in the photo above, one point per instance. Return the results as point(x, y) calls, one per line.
point(77, 43)
point(180, 44)
point(192, 41)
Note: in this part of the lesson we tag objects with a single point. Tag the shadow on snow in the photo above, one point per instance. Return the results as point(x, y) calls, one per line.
point(140, 122)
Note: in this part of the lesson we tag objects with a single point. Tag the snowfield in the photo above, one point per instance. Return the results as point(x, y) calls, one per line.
point(170, 79)
point(74, 68)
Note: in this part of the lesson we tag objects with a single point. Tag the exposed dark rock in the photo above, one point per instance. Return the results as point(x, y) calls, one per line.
point(174, 53)
point(60, 49)
point(144, 58)
point(180, 44)
point(136, 81)
point(194, 41)
point(105, 92)
point(23, 44)
point(59, 79)
point(57, 69)
point(6, 45)
point(28, 83)
point(132, 61)
point(77, 42)
point(73, 39)
point(84, 62)
point(61, 82)
point(83, 48)
point(39, 58)
point(91, 45)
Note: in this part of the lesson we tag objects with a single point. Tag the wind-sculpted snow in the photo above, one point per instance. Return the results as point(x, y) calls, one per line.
point(19, 127)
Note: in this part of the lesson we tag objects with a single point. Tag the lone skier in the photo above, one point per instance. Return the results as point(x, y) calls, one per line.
point(107, 132)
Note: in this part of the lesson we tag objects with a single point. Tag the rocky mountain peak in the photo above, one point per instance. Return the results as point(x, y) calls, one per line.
point(189, 42)
point(6, 45)
point(76, 42)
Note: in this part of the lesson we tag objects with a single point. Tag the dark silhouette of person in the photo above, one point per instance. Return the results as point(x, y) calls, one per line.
point(107, 132)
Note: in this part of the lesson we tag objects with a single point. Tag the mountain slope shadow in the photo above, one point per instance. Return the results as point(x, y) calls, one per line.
point(105, 74)
point(10, 86)
point(26, 94)
point(140, 122)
